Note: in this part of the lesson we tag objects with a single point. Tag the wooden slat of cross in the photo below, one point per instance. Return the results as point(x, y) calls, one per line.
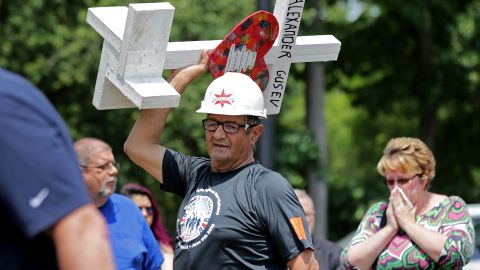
point(136, 51)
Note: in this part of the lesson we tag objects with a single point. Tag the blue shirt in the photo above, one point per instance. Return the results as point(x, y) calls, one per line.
point(133, 243)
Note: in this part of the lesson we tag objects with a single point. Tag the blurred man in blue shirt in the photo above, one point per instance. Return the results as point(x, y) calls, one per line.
point(134, 245)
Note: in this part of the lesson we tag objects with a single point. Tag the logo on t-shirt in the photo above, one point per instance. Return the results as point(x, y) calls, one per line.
point(38, 199)
point(195, 224)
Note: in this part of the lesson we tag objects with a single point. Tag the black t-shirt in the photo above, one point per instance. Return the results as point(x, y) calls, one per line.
point(40, 178)
point(248, 218)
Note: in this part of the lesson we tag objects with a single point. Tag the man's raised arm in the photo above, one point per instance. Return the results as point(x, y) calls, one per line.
point(143, 145)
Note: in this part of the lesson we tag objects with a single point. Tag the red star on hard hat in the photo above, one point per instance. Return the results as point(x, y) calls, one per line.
point(222, 98)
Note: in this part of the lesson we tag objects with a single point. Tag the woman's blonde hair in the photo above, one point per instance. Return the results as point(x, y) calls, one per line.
point(408, 155)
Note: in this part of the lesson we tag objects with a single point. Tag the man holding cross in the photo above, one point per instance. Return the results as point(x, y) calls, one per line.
point(235, 213)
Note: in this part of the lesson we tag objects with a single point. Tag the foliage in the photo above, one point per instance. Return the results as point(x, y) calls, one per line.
point(50, 43)
point(405, 69)
point(408, 70)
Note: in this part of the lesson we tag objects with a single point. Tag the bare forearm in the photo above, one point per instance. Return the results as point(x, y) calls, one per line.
point(304, 261)
point(362, 255)
point(82, 242)
point(146, 131)
point(143, 145)
point(429, 241)
point(149, 126)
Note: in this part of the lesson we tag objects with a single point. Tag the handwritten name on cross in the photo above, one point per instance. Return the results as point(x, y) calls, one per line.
point(136, 51)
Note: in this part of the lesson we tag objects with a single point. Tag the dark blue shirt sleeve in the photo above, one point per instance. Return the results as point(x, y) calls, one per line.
point(40, 177)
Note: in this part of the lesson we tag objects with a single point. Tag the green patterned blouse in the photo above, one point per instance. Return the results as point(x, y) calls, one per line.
point(450, 218)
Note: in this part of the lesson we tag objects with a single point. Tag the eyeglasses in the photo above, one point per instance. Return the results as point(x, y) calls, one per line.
point(105, 167)
point(228, 127)
point(149, 209)
point(400, 182)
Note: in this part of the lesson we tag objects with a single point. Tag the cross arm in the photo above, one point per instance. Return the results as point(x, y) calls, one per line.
point(306, 49)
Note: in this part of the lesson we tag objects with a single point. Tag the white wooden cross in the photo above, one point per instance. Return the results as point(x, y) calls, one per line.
point(136, 51)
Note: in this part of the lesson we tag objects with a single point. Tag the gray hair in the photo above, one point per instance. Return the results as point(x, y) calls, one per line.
point(87, 147)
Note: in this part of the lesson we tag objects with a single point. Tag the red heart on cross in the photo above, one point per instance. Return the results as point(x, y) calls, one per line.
point(244, 48)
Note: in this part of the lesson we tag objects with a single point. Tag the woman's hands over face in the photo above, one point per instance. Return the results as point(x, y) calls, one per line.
point(391, 220)
point(402, 212)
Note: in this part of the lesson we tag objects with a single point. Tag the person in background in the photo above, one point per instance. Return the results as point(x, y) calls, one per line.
point(147, 204)
point(134, 245)
point(48, 221)
point(326, 252)
point(235, 213)
point(416, 228)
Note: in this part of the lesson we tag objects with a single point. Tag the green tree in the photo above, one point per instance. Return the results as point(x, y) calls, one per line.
point(408, 69)
point(50, 43)
point(404, 69)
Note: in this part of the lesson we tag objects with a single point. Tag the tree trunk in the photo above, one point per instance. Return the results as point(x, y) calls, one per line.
point(318, 188)
point(266, 149)
point(423, 85)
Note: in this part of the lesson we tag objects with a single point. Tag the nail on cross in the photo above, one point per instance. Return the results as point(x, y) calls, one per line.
point(136, 51)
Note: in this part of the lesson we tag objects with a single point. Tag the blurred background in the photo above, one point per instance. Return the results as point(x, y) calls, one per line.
point(405, 68)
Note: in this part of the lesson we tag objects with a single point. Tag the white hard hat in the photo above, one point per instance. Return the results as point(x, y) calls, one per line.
point(234, 94)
